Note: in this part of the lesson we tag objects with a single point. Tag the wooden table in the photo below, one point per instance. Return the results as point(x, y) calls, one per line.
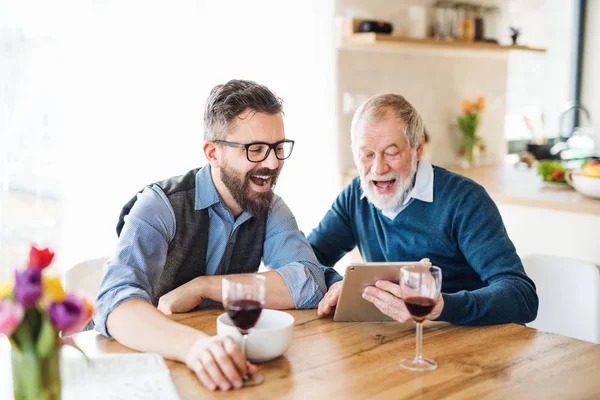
point(332, 360)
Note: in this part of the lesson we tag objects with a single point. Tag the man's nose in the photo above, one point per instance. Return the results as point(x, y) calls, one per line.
point(271, 161)
point(379, 167)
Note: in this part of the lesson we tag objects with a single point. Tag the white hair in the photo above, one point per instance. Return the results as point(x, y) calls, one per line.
point(385, 105)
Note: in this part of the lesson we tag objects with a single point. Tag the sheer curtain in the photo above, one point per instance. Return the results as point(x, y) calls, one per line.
point(130, 92)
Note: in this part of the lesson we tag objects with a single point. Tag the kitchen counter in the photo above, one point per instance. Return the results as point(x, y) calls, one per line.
point(508, 184)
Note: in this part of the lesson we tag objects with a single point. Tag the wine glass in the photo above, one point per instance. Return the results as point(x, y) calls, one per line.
point(243, 298)
point(420, 286)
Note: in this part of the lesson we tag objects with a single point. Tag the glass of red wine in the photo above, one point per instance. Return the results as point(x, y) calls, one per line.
point(243, 298)
point(420, 285)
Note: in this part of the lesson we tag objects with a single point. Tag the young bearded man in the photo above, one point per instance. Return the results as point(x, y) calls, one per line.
point(177, 236)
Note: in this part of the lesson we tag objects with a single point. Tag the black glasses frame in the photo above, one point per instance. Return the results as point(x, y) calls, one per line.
point(248, 145)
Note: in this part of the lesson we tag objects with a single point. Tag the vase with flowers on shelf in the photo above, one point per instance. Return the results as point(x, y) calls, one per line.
point(472, 144)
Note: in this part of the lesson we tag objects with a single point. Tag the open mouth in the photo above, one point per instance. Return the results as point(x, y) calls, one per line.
point(261, 180)
point(384, 184)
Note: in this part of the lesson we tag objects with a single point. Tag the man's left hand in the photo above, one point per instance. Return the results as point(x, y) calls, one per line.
point(183, 299)
point(386, 296)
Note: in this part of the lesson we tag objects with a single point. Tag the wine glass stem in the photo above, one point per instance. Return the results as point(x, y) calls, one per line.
point(419, 348)
point(244, 345)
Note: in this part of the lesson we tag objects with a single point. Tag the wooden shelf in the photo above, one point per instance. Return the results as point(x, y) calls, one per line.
point(370, 40)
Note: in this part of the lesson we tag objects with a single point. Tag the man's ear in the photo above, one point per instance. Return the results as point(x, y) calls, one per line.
point(420, 147)
point(211, 152)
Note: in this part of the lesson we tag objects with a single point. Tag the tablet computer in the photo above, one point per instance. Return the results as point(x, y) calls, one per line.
point(351, 306)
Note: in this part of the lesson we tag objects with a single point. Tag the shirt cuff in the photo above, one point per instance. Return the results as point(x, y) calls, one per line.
point(111, 300)
point(307, 286)
point(454, 308)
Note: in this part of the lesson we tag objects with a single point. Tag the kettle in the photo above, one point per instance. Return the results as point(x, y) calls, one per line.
point(579, 143)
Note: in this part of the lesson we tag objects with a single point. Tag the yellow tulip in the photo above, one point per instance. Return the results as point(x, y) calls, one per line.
point(52, 289)
point(6, 289)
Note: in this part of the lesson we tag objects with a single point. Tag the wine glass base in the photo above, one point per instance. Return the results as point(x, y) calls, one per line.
point(253, 380)
point(418, 364)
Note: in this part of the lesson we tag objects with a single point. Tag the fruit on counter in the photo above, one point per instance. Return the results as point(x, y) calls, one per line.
point(557, 175)
point(591, 170)
point(551, 171)
point(590, 162)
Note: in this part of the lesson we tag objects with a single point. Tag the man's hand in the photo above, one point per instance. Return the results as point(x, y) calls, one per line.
point(183, 299)
point(330, 299)
point(387, 298)
point(218, 362)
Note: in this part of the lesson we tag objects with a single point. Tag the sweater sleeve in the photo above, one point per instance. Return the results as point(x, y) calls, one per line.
point(509, 294)
point(334, 237)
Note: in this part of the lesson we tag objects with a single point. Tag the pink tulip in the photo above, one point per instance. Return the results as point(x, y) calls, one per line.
point(11, 315)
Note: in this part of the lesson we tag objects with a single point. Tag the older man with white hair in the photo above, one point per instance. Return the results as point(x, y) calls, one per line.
point(402, 208)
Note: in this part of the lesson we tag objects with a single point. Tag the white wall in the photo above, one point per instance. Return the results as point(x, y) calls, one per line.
point(590, 92)
point(129, 83)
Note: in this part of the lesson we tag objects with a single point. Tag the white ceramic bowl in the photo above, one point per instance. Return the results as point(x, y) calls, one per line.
point(269, 339)
point(586, 185)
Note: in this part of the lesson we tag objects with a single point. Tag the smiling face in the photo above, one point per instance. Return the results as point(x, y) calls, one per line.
point(246, 185)
point(385, 161)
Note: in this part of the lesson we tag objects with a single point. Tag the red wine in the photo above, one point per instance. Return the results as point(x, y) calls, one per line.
point(419, 307)
point(244, 313)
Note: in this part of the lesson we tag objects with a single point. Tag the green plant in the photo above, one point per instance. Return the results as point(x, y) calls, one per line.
point(551, 171)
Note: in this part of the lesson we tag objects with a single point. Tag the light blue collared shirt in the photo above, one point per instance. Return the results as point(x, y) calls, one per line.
point(422, 190)
point(136, 266)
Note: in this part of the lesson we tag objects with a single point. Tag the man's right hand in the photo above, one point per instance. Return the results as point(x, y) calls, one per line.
point(218, 362)
point(330, 299)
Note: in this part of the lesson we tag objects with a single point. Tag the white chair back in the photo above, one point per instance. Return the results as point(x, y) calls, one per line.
point(85, 277)
point(569, 293)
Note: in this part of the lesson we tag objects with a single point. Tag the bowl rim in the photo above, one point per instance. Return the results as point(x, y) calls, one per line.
point(580, 175)
point(292, 321)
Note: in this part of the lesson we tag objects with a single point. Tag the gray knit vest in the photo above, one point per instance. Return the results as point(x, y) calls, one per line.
point(186, 255)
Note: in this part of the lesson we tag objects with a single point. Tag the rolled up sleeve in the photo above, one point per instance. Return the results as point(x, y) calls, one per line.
point(133, 271)
point(287, 252)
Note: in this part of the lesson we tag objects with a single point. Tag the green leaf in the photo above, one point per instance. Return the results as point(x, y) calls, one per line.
point(23, 337)
point(73, 345)
point(13, 344)
point(34, 318)
point(47, 338)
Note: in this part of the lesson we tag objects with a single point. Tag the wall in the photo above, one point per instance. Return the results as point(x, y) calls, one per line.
point(126, 84)
point(435, 84)
point(541, 83)
point(591, 65)
point(435, 81)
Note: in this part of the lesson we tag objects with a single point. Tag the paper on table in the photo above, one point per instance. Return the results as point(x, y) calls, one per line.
point(122, 376)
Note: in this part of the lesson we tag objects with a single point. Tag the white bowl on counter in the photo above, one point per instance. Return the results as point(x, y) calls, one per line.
point(269, 339)
point(586, 185)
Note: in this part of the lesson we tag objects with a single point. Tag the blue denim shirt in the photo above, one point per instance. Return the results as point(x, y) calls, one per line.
point(141, 251)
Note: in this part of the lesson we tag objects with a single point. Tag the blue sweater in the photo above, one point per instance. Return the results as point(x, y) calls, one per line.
point(461, 231)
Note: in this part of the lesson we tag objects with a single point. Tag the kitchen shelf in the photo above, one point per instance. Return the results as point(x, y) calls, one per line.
point(371, 40)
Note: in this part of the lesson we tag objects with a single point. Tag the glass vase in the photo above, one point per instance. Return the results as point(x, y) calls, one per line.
point(34, 377)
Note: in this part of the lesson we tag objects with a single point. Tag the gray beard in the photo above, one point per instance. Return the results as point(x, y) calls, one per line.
point(390, 203)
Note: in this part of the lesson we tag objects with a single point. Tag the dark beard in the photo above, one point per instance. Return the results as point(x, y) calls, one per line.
point(256, 203)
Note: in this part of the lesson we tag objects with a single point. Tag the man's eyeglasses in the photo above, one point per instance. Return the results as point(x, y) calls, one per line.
point(259, 151)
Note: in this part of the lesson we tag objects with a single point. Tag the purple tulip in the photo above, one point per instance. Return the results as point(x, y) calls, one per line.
point(65, 313)
point(28, 286)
